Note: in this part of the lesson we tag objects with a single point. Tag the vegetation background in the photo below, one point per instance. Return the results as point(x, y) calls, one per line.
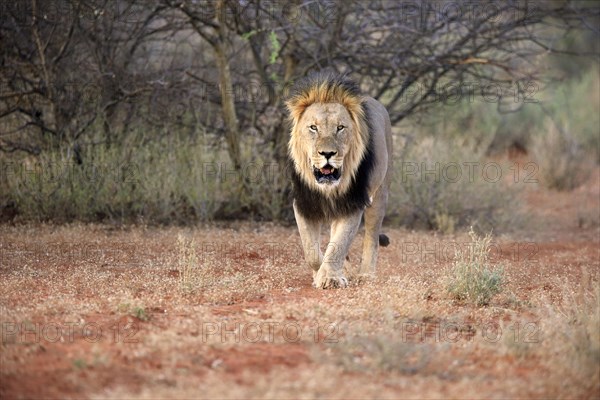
point(170, 111)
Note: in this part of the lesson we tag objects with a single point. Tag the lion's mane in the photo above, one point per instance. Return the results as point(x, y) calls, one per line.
point(312, 203)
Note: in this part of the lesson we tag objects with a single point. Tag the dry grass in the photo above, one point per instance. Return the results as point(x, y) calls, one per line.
point(472, 277)
point(188, 267)
point(443, 185)
point(229, 312)
point(573, 328)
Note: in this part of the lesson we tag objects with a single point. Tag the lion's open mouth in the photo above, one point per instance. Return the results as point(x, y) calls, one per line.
point(327, 174)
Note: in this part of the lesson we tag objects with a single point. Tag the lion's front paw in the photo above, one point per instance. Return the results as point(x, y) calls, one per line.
point(326, 279)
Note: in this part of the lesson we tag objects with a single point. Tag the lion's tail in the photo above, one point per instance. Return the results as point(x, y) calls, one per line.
point(383, 240)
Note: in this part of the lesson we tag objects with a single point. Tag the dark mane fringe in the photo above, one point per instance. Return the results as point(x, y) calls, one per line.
point(314, 205)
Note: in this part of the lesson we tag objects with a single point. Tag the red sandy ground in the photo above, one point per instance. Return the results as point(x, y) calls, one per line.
point(184, 345)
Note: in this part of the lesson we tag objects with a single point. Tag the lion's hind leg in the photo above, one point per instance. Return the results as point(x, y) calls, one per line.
point(373, 220)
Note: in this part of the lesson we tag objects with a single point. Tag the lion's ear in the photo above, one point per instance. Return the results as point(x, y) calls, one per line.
point(296, 109)
point(289, 104)
point(355, 107)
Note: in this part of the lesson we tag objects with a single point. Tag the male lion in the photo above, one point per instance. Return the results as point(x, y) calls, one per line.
point(341, 149)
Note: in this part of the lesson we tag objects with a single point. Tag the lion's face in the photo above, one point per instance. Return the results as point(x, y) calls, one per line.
point(329, 135)
point(323, 137)
point(326, 129)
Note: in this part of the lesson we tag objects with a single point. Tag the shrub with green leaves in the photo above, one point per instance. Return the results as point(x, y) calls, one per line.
point(472, 278)
point(561, 159)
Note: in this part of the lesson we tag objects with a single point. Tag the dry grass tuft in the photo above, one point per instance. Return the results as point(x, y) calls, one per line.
point(187, 265)
point(573, 335)
point(472, 278)
point(214, 278)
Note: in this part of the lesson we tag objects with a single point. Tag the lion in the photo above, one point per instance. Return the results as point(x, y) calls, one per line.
point(340, 148)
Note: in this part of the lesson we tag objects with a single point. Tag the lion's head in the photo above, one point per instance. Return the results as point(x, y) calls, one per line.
point(329, 135)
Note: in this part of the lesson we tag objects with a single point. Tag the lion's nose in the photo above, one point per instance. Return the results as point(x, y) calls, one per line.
point(328, 154)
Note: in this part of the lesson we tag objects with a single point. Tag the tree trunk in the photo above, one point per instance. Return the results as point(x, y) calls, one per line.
point(227, 92)
point(290, 62)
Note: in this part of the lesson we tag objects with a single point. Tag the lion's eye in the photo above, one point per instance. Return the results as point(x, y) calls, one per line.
point(340, 128)
point(313, 128)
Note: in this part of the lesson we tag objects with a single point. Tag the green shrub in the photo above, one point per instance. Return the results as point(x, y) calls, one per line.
point(572, 101)
point(472, 278)
point(561, 160)
point(574, 105)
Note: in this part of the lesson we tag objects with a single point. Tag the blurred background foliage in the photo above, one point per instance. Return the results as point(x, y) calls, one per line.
point(170, 111)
